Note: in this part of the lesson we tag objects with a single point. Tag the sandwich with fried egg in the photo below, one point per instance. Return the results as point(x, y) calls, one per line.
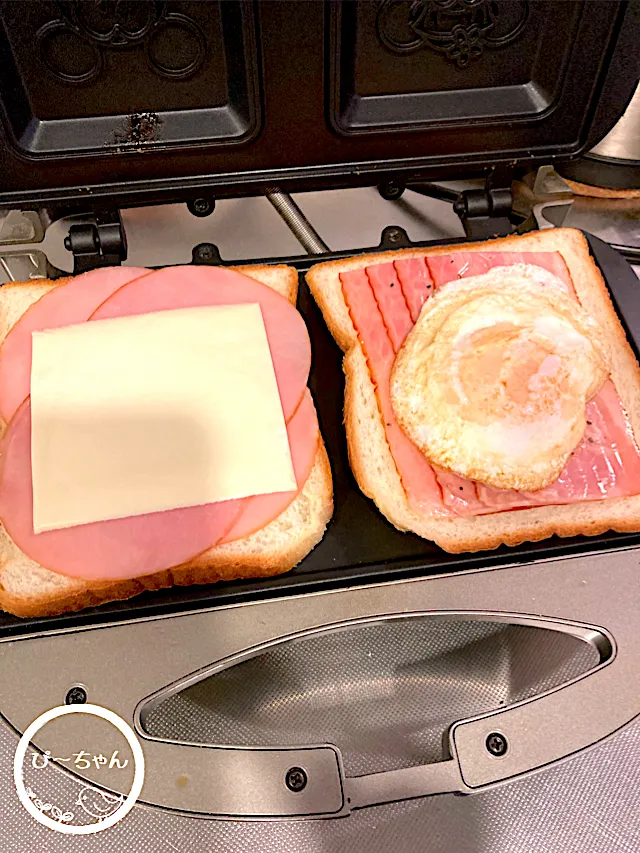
point(491, 394)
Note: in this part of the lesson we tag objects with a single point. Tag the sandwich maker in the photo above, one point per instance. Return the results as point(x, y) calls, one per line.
point(518, 658)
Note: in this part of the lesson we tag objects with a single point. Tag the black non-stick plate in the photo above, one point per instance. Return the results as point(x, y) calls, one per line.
point(360, 546)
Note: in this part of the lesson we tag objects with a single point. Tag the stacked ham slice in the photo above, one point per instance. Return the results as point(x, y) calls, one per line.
point(144, 544)
point(384, 302)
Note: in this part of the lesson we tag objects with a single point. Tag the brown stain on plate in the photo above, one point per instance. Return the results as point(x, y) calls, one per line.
point(138, 129)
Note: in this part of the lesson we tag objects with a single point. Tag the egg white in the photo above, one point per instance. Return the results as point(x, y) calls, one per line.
point(492, 381)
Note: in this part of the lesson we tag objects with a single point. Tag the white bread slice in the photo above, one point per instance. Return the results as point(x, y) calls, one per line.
point(27, 589)
point(369, 453)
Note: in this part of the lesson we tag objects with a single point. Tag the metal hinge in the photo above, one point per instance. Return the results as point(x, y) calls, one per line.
point(486, 212)
point(102, 243)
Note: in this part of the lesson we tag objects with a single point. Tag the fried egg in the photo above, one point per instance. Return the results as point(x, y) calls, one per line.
point(493, 380)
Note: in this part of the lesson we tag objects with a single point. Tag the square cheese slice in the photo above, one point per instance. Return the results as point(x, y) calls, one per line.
point(153, 412)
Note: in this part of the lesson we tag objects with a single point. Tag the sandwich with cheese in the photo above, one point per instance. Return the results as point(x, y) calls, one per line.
point(491, 394)
point(157, 429)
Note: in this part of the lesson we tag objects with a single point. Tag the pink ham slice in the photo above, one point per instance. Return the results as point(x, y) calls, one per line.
point(391, 302)
point(108, 550)
point(607, 462)
point(70, 303)
point(415, 472)
point(417, 284)
point(449, 267)
point(194, 287)
point(304, 435)
point(459, 495)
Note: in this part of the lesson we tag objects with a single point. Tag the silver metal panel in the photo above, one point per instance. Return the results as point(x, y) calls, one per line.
point(246, 228)
point(596, 597)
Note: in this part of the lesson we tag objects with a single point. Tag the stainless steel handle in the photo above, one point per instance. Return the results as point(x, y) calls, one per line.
point(124, 665)
point(239, 782)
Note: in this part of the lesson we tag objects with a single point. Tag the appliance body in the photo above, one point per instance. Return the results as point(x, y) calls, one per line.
point(111, 105)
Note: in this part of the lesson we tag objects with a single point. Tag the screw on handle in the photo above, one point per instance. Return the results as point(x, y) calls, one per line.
point(497, 744)
point(296, 779)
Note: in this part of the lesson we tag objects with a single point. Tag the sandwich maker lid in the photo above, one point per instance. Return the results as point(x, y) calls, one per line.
point(126, 103)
